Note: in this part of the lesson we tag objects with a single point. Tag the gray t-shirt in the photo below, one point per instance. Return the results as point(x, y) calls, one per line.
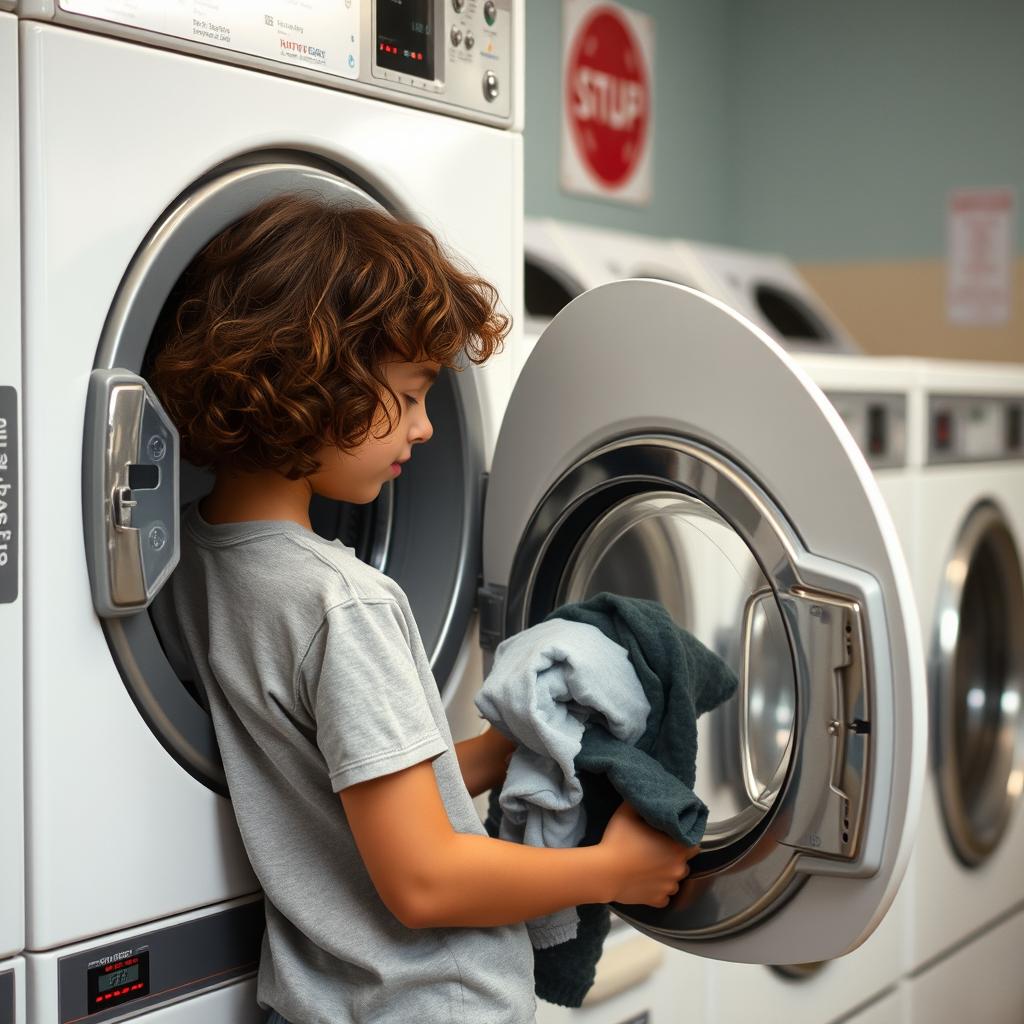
point(317, 679)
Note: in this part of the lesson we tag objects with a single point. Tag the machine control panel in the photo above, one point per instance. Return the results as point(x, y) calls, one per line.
point(878, 423)
point(452, 55)
point(965, 428)
point(142, 971)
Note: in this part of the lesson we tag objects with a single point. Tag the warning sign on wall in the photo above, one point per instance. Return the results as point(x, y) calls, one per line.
point(607, 93)
point(980, 245)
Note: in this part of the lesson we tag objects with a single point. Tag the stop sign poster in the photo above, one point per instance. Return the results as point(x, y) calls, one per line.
point(607, 100)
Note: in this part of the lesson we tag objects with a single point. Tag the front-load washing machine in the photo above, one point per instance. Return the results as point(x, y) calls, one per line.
point(878, 400)
point(767, 288)
point(121, 187)
point(966, 869)
point(12, 843)
point(687, 466)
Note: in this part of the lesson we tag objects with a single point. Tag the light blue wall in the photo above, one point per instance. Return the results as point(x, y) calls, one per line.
point(849, 122)
point(829, 130)
point(689, 116)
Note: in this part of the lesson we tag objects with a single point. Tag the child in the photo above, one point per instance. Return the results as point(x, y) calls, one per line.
point(299, 363)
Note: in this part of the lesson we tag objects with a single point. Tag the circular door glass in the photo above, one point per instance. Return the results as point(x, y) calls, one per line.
point(979, 671)
point(675, 549)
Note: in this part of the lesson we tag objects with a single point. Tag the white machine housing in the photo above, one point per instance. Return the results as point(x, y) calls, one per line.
point(965, 872)
point(173, 844)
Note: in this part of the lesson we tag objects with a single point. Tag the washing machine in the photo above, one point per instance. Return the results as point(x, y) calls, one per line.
point(966, 870)
point(687, 466)
point(879, 402)
point(769, 290)
point(12, 991)
point(12, 841)
point(128, 824)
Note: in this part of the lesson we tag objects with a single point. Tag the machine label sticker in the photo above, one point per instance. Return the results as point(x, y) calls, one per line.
point(322, 35)
point(10, 537)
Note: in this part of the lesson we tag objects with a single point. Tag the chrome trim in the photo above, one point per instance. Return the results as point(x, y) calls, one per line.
point(758, 797)
point(977, 809)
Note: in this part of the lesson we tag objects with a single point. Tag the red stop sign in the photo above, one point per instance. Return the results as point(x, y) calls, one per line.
point(608, 96)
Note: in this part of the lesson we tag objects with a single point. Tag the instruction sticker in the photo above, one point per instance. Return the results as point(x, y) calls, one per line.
point(322, 35)
point(10, 538)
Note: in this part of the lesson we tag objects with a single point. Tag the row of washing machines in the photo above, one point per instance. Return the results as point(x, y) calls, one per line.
point(944, 442)
point(655, 439)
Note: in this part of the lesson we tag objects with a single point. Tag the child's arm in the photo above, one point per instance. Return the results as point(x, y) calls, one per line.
point(483, 760)
point(429, 875)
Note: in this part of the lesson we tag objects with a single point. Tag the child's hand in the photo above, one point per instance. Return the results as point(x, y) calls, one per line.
point(649, 865)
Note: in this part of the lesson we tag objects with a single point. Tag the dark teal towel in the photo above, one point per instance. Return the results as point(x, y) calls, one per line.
point(681, 679)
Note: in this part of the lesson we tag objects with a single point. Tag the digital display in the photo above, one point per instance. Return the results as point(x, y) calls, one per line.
point(117, 979)
point(405, 36)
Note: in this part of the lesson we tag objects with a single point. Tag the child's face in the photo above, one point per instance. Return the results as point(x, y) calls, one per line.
point(358, 474)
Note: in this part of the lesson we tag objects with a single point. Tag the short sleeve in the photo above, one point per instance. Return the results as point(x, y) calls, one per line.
point(360, 684)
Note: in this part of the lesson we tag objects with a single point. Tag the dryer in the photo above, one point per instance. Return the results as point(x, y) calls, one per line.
point(966, 867)
point(12, 842)
point(124, 783)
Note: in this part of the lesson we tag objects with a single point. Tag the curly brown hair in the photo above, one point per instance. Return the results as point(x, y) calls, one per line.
point(274, 340)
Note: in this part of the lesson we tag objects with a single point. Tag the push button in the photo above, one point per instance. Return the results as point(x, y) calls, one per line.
point(490, 12)
point(491, 87)
point(456, 35)
point(457, 5)
point(470, 41)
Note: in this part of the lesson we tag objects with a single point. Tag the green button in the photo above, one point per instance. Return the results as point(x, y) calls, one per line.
point(490, 12)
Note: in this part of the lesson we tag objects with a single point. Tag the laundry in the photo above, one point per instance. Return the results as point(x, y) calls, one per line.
point(681, 680)
point(547, 683)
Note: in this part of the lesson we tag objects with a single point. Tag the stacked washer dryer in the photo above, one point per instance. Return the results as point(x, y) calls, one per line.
point(966, 877)
point(137, 872)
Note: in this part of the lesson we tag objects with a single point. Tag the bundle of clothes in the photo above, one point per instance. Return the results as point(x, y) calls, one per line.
point(602, 699)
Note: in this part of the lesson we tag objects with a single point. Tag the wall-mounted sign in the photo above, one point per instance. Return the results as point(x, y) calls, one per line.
point(980, 246)
point(607, 100)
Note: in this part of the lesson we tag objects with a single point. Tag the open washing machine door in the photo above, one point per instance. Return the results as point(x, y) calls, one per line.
point(658, 445)
point(133, 486)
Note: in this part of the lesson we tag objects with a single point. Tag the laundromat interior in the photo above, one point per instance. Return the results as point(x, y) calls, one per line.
point(762, 384)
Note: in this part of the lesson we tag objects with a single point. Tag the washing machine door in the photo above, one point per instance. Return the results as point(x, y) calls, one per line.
point(423, 530)
point(658, 445)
